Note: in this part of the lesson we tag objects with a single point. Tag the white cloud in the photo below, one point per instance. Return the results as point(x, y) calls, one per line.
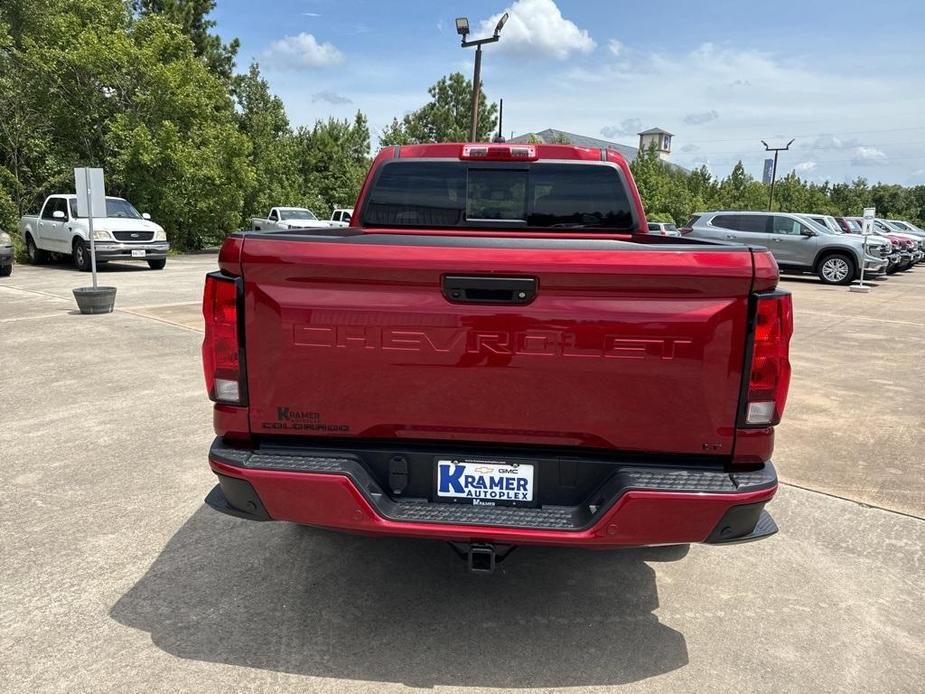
point(700, 118)
point(761, 93)
point(829, 141)
point(690, 148)
point(538, 27)
point(615, 46)
point(331, 97)
point(311, 14)
point(868, 155)
point(301, 51)
point(629, 126)
point(805, 167)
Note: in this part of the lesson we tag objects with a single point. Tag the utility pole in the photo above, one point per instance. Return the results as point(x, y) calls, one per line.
point(499, 137)
point(462, 28)
point(476, 89)
point(776, 150)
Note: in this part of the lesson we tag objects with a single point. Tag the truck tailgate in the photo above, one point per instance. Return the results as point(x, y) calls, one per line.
point(625, 346)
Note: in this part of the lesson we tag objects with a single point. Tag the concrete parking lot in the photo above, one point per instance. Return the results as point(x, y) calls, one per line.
point(115, 577)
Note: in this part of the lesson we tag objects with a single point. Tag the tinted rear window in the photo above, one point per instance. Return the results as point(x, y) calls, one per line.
point(468, 195)
point(754, 223)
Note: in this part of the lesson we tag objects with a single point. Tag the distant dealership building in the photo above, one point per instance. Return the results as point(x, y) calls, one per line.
point(660, 138)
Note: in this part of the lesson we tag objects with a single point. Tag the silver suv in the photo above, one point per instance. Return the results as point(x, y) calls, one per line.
point(798, 244)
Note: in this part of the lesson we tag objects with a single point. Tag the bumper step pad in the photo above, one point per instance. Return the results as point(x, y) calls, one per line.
point(548, 517)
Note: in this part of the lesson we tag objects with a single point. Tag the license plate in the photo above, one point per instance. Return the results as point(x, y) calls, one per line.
point(138, 254)
point(484, 482)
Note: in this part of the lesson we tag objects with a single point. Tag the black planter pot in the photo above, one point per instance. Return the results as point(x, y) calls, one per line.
point(95, 299)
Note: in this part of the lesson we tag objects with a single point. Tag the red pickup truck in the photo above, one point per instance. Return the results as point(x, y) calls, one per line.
point(497, 354)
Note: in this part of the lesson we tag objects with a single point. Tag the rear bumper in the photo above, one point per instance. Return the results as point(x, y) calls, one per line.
point(639, 504)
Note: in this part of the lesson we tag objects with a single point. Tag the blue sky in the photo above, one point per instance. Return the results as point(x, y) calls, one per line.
point(847, 80)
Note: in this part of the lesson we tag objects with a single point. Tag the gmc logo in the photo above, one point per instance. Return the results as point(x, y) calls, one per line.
point(540, 343)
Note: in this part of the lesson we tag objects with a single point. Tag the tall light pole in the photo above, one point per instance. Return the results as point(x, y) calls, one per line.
point(462, 28)
point(774, 170)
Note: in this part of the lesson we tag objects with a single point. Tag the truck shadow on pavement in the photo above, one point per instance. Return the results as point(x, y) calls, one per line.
point(311, 602)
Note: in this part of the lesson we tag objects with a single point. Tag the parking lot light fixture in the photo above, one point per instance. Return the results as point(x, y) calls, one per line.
point(500, 25)
point(462, 28)
point(776, 150)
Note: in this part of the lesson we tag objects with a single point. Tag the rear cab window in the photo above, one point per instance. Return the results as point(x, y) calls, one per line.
point(465, 195)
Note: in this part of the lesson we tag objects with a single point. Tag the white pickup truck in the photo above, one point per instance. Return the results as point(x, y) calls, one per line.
point(124, 234)
point(283, 218)
point(341, 216)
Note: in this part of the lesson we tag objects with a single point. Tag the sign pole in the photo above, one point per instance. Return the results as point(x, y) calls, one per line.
point(869, 214)
point(89, 198)
point(91, 203)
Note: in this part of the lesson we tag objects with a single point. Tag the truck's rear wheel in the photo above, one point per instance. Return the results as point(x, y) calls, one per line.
point(837, 268)
point(81, 256)
point(6, 270)
point(36, 255)
point(157, 264)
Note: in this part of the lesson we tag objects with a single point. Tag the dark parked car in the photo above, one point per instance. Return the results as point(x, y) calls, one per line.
point(6, 254)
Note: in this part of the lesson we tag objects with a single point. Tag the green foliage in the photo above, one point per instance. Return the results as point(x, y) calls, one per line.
point(333, 158)
point(144, 91)
point(665, 191)
point(174, 145)
point(190, 16)
point(262, 119)
point(446, 118)
point(8, 211)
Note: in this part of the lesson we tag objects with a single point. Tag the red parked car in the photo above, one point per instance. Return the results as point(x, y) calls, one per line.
point(498, 354)
point(903, 256)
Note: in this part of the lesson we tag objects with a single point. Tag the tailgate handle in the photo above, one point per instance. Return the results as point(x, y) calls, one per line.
point(459, 289)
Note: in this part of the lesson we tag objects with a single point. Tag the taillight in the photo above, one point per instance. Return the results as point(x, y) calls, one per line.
point(685, 230)
point(769, 372)
point(221, 348)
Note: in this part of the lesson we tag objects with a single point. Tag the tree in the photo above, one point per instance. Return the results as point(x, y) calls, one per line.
point(175, 147)
point(652, 180)
point(8, 211)
point(190, 16)
point(740, 191)
point(446, 118)
point(333, 158)
point(85, 84)
point(261, 118)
